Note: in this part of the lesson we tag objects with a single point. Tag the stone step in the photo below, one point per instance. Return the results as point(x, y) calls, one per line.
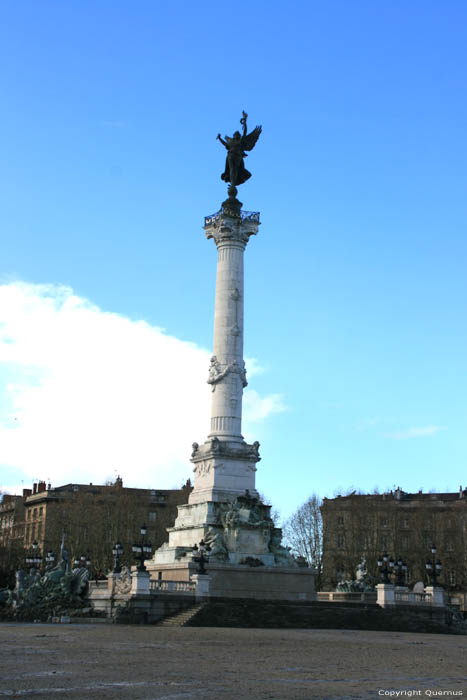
point(180, 619)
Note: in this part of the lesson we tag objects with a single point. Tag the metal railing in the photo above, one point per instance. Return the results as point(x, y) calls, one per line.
point(342, 597)
point(246, 216)
point(412, 598)
point(173, 586)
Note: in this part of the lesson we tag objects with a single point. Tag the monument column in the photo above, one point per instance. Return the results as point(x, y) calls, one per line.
point(227, 374)
point(225, 463)
point(224, 510)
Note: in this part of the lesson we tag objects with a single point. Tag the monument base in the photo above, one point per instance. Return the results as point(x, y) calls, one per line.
point(239, 531)
point(241, 581)
point(246, 557)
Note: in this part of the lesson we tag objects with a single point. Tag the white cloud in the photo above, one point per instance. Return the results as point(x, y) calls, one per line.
point(86, 393)
point(414, 432)
point(256, 408)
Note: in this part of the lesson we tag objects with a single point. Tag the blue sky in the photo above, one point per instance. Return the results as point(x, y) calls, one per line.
point(355, 285)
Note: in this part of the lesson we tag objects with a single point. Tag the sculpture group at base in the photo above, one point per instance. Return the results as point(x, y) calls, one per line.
point(247, 520)
point(40, 596)
point(362, 583)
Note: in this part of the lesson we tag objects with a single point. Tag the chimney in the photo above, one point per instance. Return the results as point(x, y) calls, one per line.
point(460, 491)
point(34, 489)
point(26, 493)
point(41, 487)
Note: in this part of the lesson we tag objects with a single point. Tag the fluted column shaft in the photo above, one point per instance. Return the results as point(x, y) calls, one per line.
point(226, 407)
point(227, 371)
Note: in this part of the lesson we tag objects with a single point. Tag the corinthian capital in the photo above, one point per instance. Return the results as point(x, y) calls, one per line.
point(229, 229)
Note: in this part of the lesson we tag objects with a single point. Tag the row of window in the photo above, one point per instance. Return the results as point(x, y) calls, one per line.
point(34, 513)
point(33, 532)
point(448, 523)
point(6, 522)
point(384, 543)
point(449, 576)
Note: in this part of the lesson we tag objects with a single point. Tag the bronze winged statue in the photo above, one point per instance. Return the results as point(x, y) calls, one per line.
point(235, 171)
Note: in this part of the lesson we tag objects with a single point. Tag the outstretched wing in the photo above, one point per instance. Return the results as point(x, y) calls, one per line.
point(249, 141)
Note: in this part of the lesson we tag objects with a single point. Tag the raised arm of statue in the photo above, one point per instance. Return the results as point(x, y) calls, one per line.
point(243, 122)
point(224, 143)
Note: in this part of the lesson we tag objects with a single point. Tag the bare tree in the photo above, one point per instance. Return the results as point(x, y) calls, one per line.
point(303, 532)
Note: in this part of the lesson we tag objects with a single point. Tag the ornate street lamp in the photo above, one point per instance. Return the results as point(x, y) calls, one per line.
point(201, 555)
point(34, 559)
point(383, 562)
point(82, 561)
point(433, 568)
point(117, 551)
point(49, 559)
point(400, 569)
point(142, 549)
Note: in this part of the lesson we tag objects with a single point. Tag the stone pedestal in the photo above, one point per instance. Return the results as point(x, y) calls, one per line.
point(385, 595)
point(243, 581)
point(202, 584)
point(437, 595)
point(140, 583)
point(112, 581)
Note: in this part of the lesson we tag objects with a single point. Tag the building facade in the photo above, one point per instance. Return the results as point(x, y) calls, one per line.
point(401, 524)
point(92, 517)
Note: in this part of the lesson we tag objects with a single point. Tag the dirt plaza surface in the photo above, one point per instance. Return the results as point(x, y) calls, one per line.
point(81, 661)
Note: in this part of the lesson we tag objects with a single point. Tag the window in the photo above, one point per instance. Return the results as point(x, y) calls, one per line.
point(405, 543)
point(41, 509)
point(405, 522)
point(340, 541)
point(340, 520)
point(452, 578)
point(450, 546)
point(384, 522)
point(384, 542)
point(152, 516)
point(34, 513)
point(449, 524)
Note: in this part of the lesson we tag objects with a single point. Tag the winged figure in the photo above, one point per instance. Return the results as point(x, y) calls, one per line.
point(235, 171)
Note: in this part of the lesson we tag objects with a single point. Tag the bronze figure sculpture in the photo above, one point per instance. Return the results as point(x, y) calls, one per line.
point(235, 171)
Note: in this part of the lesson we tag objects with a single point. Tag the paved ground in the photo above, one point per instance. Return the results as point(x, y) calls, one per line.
point(79, 662)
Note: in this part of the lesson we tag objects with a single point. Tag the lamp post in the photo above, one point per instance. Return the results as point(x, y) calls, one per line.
point(117, 551)
point(400, 569)
point(383, 563)
point(34, 559)
point(140, 550)
point(83, 561)
point(201, 555)
point(49, 559)
point(433, 568)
